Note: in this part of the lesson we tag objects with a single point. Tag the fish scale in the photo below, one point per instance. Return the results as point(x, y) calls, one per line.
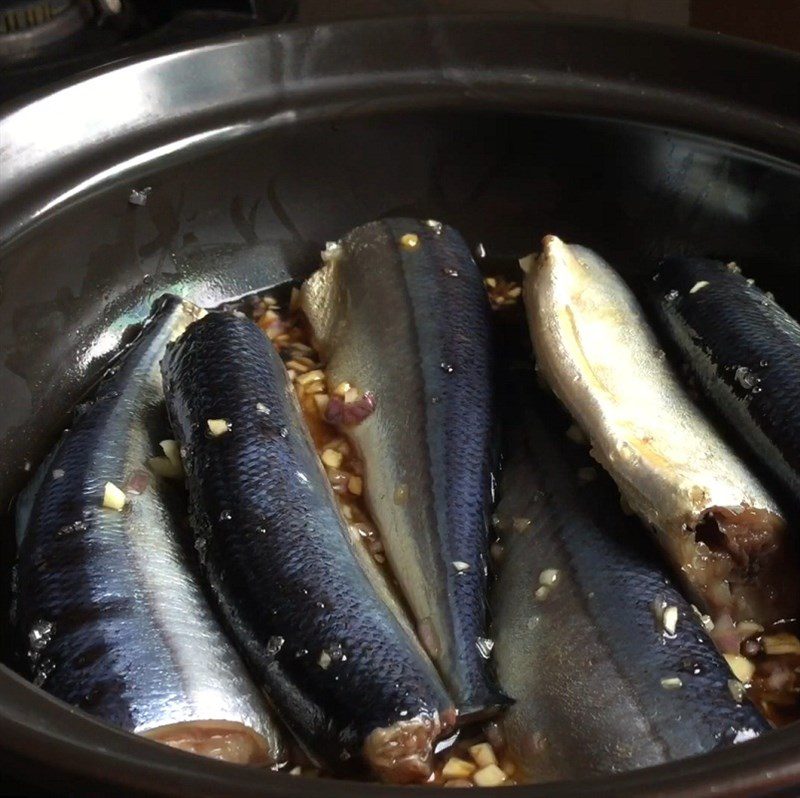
point(743, 349)
point(402, 312)
point(585, 662)
point(341, 670)
point(132, 639)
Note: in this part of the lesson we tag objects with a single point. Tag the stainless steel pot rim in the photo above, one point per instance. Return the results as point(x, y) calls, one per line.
point(185, 100)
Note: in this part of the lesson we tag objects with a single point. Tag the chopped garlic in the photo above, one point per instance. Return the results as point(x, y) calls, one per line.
point(705, 620)
point(311, 376)
point(490, 776)
point(671, 683)
point(332, 458)
point(483, 755)
point(698, 286)
point(355, 485)
point(324, 660)
point(748, 628)
point(218, 426)
point(541, 592)
point(736, 689)
point(113, 497)
point(173, 452)
point(509, 768)
point(409, 241)
point(351, 395)
point(456, 768)
point(460, 566)
point(741, 667)
point(342, 388)
point(549, 577)
point(296, 771)
point(164, 467)
point(781, 643)
point(669, 619)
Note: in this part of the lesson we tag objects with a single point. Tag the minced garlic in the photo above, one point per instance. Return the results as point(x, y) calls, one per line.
point(218, 426)
point(113, 497)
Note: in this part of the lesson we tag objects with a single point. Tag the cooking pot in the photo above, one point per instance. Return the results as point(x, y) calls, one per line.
point(257, 148)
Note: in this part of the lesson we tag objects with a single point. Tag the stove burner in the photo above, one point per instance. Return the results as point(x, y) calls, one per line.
point(29, 28)
point(42, 41)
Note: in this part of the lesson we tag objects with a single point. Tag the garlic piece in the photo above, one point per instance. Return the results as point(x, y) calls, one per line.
point(113, 497)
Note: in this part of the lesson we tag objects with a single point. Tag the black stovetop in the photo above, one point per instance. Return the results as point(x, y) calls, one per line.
point(44, 41)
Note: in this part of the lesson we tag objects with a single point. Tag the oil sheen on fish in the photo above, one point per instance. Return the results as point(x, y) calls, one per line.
point(340, 669)
point(744, 351)
point(400, 310)
point(717, 524)
point(109, 612)
point(609, 668)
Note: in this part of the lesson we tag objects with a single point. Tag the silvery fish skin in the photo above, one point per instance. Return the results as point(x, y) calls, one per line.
point(400, 311)
point(717, 524)
point(340, 669)
point(744, 351)
point(109, 612)
point(583, 617)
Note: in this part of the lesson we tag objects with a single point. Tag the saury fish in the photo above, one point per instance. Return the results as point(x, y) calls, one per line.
point(109, 612)
point(743, 349)
point(607, 663)
point(718, 525)
point(400, 311)
point(341, 670)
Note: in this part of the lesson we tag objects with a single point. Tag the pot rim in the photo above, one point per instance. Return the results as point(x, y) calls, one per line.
point(177, 102)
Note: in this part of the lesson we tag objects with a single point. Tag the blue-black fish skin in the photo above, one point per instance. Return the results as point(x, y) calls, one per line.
point(743, 350)
point(585, 660)
point(336, 663)
point(110, 615)
point(402, 312)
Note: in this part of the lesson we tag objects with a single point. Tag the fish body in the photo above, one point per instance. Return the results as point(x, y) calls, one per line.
point(744, 351)
point(340, 669)
point(718, 525)
point(584, 612)
point(109, 612)
point(401, 312)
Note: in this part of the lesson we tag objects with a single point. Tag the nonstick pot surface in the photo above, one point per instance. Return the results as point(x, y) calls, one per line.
point(256, 162)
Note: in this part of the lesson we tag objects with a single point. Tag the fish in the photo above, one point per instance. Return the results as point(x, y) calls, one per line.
point(607, 662)
point(339, 668)
point(109, 612)
point(399, 311)
point(743, 351)
point(716, 523)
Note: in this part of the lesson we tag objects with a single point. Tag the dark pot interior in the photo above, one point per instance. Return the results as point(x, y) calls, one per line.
point(251, 211)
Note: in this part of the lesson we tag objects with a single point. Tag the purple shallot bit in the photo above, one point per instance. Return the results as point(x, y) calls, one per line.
point(350, 413)
point(138, 482)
